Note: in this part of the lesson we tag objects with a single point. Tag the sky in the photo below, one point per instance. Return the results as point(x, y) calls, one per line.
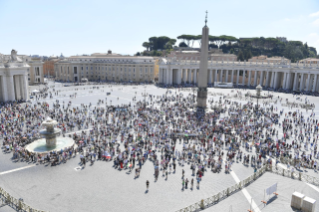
point(75, 27)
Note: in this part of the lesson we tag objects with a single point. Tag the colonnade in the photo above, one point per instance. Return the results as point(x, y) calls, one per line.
point(275, 76)
point(13, 87)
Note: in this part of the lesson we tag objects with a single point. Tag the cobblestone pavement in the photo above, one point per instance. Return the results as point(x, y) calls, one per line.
point(102, 188)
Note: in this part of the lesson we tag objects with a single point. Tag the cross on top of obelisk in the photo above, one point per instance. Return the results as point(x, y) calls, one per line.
point(206, 18)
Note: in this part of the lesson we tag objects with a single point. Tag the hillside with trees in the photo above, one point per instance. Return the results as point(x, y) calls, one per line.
point(244, 48)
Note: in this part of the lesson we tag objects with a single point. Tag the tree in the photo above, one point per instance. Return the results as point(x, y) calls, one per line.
point(212, 46)
point(313, 50)
point(146, 45)
point(270, 43)
point(247, 55)
point(198, 38)
point(157, 43)
point(182, 44)
point(240, 56)
point(138, 54)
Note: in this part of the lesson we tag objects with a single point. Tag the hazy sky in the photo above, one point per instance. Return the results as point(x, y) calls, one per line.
point(83, 27)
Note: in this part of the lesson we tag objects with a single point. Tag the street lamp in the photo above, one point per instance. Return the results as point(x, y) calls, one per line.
point(258, 91)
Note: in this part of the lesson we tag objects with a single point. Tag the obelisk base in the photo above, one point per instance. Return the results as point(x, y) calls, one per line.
point(201, 102)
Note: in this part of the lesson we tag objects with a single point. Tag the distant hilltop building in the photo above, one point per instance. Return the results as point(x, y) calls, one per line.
point(106, 67)
point(310, 61)
point(282, 39)
point(186, 53)
point(265, 59)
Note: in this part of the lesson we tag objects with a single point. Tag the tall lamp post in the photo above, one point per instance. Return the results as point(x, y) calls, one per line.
point(258, 91)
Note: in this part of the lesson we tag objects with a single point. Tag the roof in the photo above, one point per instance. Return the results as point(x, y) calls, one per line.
point(310, 59)
point(111, 56)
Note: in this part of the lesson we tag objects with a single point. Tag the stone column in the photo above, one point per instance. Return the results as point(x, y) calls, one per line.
point(25, 87)
point(249, 78)
point(288, 81)
point(185, 75)
point(267, 79)
point(243, 79)
point(189, 75)
point(17, 87)
point(276, 80)
point(308, 82)
point(179, 76)
point(215, 78)
point(295, 82)
point(10, 88)
point(237, 79)
point(210, 76)
point(272, 79)
point(261, 80)
point(220, 75)
point(232, 76)
point(226, 78)
point(195, 76)
point(314, 83)
point(171, 72)
point(284, 81)
point(255, 78)
point(301, 82)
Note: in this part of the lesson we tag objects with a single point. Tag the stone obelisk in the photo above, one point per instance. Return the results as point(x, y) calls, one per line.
point(202, 79)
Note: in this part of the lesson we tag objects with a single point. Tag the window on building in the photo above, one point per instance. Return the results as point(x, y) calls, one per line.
point(82, 68)
point(75, 70)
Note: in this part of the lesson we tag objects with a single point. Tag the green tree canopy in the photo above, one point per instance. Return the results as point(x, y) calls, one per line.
point(157, 43)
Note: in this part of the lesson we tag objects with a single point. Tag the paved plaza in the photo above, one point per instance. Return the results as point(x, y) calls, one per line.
point(101, 187)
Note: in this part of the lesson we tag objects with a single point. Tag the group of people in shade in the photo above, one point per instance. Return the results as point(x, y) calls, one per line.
point(166, 131)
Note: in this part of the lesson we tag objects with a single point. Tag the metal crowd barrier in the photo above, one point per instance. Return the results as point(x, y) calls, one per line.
point(204, 203)
point(16, 204)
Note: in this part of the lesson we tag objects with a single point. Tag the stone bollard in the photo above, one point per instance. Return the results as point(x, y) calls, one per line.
point(202, 205)
point(283, 172)
point(300, 176)
point(254, 176)
point(227, 191)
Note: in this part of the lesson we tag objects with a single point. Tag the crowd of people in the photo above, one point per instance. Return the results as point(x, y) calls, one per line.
point(166, 131)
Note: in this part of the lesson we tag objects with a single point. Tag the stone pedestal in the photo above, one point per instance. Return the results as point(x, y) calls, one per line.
point(201, 97)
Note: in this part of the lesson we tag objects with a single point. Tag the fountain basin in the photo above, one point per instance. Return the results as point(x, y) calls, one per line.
point(40, 145)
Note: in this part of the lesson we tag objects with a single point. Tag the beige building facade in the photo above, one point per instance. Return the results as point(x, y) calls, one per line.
point(105, 67)
point(35, 74)
point(265, 59)
point(194, 54)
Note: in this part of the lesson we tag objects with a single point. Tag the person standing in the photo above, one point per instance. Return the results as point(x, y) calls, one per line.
point(192, 183)
point(186, 183)
point(147, 184)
